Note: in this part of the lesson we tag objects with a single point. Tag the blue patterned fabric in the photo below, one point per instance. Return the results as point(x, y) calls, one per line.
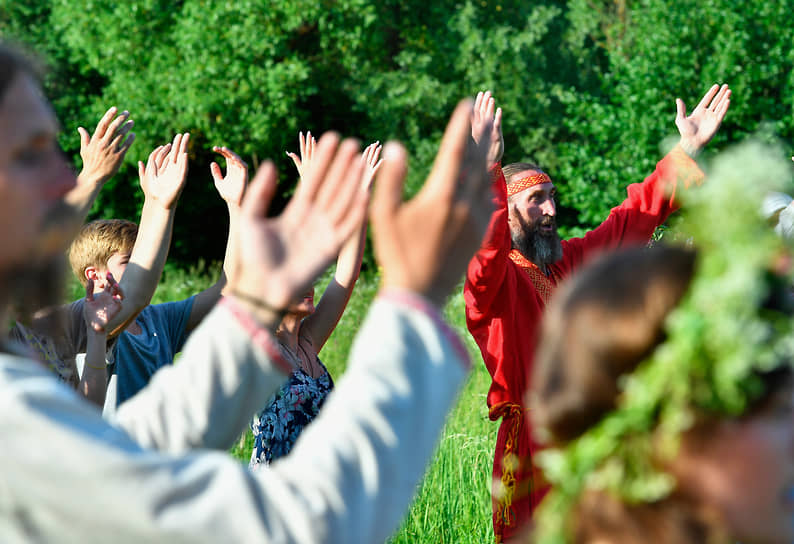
point(293, 407)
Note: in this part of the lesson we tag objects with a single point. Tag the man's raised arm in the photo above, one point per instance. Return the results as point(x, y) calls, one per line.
point(488, 267)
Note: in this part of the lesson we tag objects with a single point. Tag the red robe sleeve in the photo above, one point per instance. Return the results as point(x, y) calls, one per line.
point(487, 268)
point(633, 222)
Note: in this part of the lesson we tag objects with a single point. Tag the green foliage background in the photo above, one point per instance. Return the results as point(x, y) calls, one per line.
point(588, 86)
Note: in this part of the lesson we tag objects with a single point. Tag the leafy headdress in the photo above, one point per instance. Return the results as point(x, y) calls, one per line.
point(718, 341)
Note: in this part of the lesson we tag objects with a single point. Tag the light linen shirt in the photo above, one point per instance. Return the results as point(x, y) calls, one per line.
point(150, 476)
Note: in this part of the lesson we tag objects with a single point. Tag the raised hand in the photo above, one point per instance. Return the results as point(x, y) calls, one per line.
point(101, 307)
point(280, 257)
point(307, 144)
point(483, 116)
point(425, 244)
point(698, 128)
point(232, 186)
point(103, 152)
point(371, 163)
point(163, 177)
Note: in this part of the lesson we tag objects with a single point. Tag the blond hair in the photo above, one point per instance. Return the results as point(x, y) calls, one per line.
point(98, 241)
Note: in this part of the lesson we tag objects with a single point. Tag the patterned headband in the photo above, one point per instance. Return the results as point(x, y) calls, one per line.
point(527, 182)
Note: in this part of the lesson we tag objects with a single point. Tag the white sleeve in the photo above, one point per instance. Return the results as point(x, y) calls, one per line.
point(230, 366)
point(359, 462)
point(349, 478)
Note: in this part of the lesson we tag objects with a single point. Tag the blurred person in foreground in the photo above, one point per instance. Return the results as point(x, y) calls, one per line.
point(663, 382)
point(151, 476)
point(522, 260)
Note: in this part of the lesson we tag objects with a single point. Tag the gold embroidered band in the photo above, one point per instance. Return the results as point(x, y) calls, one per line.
point(527, 182)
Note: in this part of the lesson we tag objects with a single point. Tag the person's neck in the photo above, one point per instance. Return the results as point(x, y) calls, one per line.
point(288, 330)
point(133, 328)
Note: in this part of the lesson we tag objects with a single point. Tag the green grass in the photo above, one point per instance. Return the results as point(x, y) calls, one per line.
point(452, 504)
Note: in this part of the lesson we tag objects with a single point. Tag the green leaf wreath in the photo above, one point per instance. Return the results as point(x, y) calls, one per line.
point(718, 339)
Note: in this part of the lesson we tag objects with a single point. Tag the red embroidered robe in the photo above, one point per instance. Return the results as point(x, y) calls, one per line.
point(505, 296)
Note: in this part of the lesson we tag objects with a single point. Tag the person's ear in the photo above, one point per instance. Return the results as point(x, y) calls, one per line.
point(92, 273)
point(511, 211)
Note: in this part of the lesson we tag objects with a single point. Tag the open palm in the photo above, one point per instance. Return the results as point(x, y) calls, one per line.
point(232, 186)
point(163, 177)
point(100, 308)
point(698, 128)
point(424, 244)
point(486, 115)
point(307, 145)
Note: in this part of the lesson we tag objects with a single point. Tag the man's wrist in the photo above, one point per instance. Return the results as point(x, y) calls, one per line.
point(264, 313)
point(690, 148)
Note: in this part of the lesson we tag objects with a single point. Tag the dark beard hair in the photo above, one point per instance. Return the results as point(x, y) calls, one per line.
point(35, 287)
point(541, 248)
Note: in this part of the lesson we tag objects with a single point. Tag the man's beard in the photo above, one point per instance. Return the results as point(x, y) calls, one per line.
point(58, 230)
point(35, 286)
point(542, 248)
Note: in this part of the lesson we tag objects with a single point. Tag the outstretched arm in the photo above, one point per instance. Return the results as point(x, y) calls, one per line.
point(98, 310)
point(698, 128)
point(648, 204)
point(231, 187)
point(162, 181)
point(425, 244)
point(322, 322)
point(102, 154)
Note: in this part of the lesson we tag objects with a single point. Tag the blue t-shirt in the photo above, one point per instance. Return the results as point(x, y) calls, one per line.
point(138, 356)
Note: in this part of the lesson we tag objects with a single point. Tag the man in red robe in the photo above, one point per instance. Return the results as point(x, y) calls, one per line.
point(521, 262)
